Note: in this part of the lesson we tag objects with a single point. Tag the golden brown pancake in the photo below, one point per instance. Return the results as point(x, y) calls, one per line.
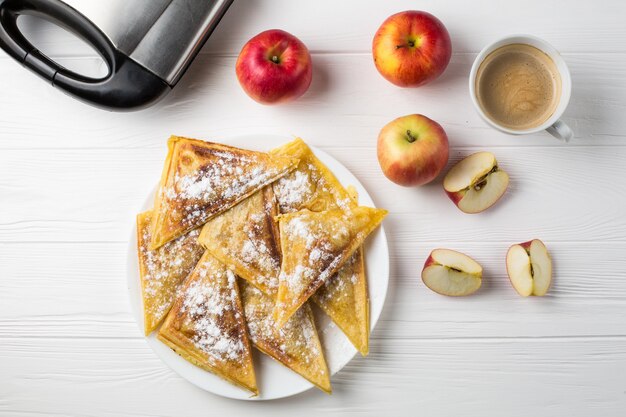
point(201, 179)
point(207, 327)
point(315, 245)
point(296, 345)
point(344, 299)
point(163, 270)
point(313, 186)
point(245, 237)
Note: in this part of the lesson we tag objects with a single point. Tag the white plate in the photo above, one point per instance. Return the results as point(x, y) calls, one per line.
point(273, 379)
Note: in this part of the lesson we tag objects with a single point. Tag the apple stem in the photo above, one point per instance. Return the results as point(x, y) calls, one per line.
point(411, 44)
point(275, 59)
point(410, 137)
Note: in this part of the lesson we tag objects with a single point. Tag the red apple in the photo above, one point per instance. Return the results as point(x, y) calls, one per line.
point(412, 150)
point(274, 67)
point(411, 48)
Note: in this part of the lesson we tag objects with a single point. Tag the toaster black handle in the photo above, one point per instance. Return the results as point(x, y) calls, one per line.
point(127, 86)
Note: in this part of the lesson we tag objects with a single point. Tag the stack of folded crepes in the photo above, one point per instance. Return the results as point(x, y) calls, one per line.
point(237, 244)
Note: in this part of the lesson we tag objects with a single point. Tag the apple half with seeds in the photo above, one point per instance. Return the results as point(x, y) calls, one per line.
point(529, 267)
point(475, 183)
point(452, 273)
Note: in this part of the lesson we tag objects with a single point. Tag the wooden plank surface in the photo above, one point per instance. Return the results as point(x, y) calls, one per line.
point(72, 178)
point(62, 196)
point(85, 295)
point(331, 26)
point(346, 90)
point(513, 377)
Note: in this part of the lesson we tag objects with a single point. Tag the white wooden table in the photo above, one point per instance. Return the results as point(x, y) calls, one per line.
point(72, 178)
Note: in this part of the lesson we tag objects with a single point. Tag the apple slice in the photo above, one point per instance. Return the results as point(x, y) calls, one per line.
point(475, 183)
point(452, 273)
point(529, 267)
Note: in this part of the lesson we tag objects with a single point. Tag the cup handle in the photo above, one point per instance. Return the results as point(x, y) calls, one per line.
point(561, 131)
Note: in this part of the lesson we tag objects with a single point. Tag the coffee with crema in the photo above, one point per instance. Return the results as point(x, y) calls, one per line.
point(518, 86)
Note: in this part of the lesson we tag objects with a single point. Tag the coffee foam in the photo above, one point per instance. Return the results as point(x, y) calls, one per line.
point(518, 86)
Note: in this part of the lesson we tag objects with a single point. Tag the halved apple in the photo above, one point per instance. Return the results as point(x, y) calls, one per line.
point(529, 267)
point(475, 183)
point(452, 273)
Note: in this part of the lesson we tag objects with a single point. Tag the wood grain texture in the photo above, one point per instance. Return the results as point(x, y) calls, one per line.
point(85, 295)
point(72, 178)
point(348, 104)
point(331, 26)
point(62, 198)
point(566, 376)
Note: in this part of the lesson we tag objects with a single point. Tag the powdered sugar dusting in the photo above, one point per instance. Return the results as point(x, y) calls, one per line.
point(295, 342)
point(256, 252)
point(211, 306)
point(339, 288)
point(299, 227)
point(308, 187)
point(321, 238)
point(244, 238)
point(164, 269)
point(224, 178)
point(293, 190)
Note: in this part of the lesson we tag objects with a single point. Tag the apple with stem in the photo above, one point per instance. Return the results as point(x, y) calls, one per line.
point(274, 67)
point(411, 48)
point(475, 183)
point(529, 267)
point(452, 273)
point(412, 150)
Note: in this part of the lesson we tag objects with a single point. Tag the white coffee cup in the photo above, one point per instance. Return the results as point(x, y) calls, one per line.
point(553, 125)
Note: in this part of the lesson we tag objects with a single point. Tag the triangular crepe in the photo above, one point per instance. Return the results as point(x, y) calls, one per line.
point(206, 325)
point(201, 179)
point(245, 237)
point(344, 299)
point(312, 185)
point(314, 246)
point(163, 270)
point(296, 345)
